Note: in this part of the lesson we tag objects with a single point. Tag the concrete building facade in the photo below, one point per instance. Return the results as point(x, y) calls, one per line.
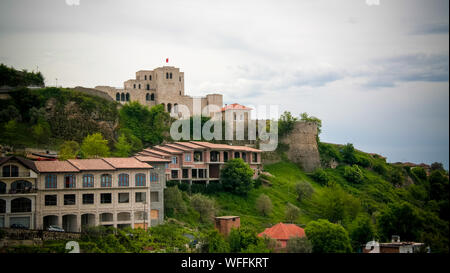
point(163, 85)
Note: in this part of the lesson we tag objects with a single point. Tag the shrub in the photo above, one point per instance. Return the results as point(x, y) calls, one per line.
point(380, 168)
point(327, 237)
point(292, 213)
point(236, 177)
point(173, 202)
point(321, 176)
point(363, 162)
point(420, 173)
point(264, 205)
point(304, 190)
point(205, 206)
point(299, 245)
point(348, 154)
point(198, 188)
point(353, 174)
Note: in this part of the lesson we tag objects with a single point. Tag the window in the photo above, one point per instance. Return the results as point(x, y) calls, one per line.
point(2, 187)
point(2, 206)
point(154, 214)
point(140, 215)
point(140, 197)
point(140, 179)
point(174, 173)
point(106, 180)
point(69, 181)
point(150, 76)
point(185, 173)
point(179, 79)
point(105, 198)
point(214, 156)
point(88, 181)
point(128, 96)
point(51, 200)
point(118, 97)
point(147, 97)
point(194, 173)
point(134, 86)
point(167, 75)
point(174, 160)
point(198, 156)
point(145, 77)
point(21, 205)
point(152, 97)
point(106, 217)
point(148, 86)
point(244, 156)
point(225, 156)
point(10, 171)
point(50, 181)
point(122, 97)
point(166, 165)
point(154, 178)
point(123, 216)
point(170, 75)
point(88, 198)
point(187, 157)
point(255, 157)
point(124, 197)
point(139, 86)
point(69, 199)
point(124, 180)
point(237, 155)
point(154, 196)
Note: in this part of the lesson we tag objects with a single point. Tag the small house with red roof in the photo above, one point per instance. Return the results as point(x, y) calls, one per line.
point(283, 232)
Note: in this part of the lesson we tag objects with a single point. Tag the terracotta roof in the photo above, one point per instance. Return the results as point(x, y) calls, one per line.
point(55, 166)
point(27, 163)
point(226, 217)
point(90, 164)
point(126, 163)
point(148, 150)
point(168, 149)
point(235, 106)
point(282, 231)
point(190, 145)
point(212, 145)
point(151, 159)
point(179, 147)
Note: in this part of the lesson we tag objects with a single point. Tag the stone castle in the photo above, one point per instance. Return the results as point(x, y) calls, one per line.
point(163, 85)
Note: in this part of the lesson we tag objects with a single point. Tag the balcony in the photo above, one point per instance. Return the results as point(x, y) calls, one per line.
point(14, 174)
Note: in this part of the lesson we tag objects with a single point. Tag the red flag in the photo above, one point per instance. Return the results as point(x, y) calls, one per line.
point(167, 60)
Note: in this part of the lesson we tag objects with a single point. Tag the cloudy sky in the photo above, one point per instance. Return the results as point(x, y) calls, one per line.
point(377, 75)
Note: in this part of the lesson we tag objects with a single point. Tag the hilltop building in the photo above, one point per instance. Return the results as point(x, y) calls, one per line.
point(282, 233)
point(163, 85)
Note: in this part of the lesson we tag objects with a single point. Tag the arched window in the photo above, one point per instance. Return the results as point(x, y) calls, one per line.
point(21, 205)
point(2, 206)
point(154, 178)
point(175, 108)
point(69, 181)
point(122, 97)
point(2, 187)
point(150, 77)
point(152, 97)
point(139, 86)
point(21, 186)
point(170, 75)
point(106, 217)
point(124, 180)
point(10, 171)
point(117, 96)
point(134, 86)
point(140, 179)
point(169, 107)
point(106, 180)
point(148, 86)
point(128, 96)
point(50, 181)
point(123, 216)
point(145, 77)
point(147, 97)
point(167, 75)
point(88, 181)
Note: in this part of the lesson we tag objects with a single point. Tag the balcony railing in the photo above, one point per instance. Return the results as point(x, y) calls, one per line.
point(15, 174)
point(20, 191)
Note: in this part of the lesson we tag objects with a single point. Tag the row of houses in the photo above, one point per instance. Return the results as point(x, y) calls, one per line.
point(118, 192)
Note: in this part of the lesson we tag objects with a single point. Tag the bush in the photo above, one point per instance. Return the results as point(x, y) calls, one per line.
point(214, 187)
point(198, 188)
point(420, 173)
point(304, 190)
point(321, 177)
point(353, 174)
point(299, 245)
point(364, 162)
point(380, 168)
point(173, 202)
point(361, 231)
point(292, 213)
point(264, 205)
point(396, 175)
point(205, 206)
point(348, 154)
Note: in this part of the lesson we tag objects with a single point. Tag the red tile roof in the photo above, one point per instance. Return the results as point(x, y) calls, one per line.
point(167, 149)
point(126, 163)
point(190, 145)
point(282, 231)
point(235, 106)
point(151, 159)
point(179, 147)
point(55, 166)
point(212, 145)
point(90, 164)
point(151, 151)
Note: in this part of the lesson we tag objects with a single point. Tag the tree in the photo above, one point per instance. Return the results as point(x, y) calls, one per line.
point(41, 132)
point(10, 131)
point(327, 237)
point(68, 150)
point(214, 242)
point(244, 239)
point(321, 176)
point(335, 205)
point(286, 123)
point(299, 245)
point(304, 117)
point(304, 190)
point(236, 177)
point(264, 205)
point(205, 206)
point(94, 146)
point(420, 173)
point(361, 231)
point(353, 174)
point(437, 166)
point(348, 154)
point(135, 142)
point(123, 148)
point(401, 219)
point(292, 213)
point(173, 202)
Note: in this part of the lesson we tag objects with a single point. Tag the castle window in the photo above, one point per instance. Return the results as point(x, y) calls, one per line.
point(118, 97)
point(150, 76)
point(170, 75)
point(167, 75)
point(134, 86)
point(169, 107)
point(145, 77)
point(179, 78)
point(128, 96)
point(139, 86)
point(122, 97)
point(147, 97)
point(152, 96)
point(148, 86)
